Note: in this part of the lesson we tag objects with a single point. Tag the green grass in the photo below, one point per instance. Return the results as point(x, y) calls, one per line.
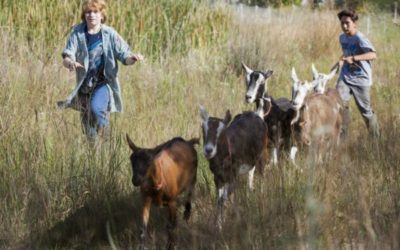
point(56, 193)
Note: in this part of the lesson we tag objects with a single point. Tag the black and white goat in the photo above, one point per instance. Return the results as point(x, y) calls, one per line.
point(234, 149)
point(280, 114)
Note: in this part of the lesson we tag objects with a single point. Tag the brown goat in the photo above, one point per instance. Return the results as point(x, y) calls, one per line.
point(318, 115)
point(163, 173)
point(319, 124)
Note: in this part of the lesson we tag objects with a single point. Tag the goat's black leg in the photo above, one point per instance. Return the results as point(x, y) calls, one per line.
point(188, 204)
point(171, 225)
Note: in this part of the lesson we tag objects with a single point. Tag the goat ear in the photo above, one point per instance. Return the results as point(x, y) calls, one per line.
point(267, 99)
point(203, 113)
point(131, 144)
point(267, 105)
point(335, 67)
point(247, 69)
point(268, 73)
point(334, 70)
point(313, 84)
point(314, 71)
point(294, 75)
point(296, 117)
point(228, 117)
point(295, 86)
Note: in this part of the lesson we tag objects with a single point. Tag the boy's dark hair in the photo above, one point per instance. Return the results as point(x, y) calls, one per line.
point(348, 13)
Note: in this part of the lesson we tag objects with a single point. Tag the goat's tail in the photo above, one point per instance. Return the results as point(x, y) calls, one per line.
point(194, 141)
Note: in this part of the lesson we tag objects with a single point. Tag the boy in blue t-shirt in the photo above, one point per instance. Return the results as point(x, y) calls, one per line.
point(356, 74)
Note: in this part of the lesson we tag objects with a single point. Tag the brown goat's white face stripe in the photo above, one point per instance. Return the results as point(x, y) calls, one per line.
point(212, 128)
point(211, 131)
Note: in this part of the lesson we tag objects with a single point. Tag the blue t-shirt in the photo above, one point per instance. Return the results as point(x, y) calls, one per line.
point(95, 74)
point(360, 72)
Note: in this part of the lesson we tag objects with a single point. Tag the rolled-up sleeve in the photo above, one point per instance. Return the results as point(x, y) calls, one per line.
point(121, 48)
point(366, 45)
point(71, 46)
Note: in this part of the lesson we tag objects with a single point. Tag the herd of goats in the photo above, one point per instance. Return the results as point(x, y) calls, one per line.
point(312, 119)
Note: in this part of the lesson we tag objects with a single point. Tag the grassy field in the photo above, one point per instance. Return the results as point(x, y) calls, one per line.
point(56, 193)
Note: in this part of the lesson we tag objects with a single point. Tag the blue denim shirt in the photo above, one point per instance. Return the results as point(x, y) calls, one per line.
point(115, 48)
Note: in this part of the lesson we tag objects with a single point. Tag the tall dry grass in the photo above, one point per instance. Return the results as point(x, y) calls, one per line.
point(157, 28)
point(56, 193)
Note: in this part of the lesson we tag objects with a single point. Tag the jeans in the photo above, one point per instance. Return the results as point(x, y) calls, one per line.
point(96, 115)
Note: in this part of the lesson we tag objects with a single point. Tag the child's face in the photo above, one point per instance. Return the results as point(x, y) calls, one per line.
point(93, 17)
point(348, 26)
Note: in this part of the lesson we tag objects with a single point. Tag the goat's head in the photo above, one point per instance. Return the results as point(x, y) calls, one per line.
point(140, 160)
point(255, 83)
point(212, 128)
point(299, 90)
point(320, 80)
